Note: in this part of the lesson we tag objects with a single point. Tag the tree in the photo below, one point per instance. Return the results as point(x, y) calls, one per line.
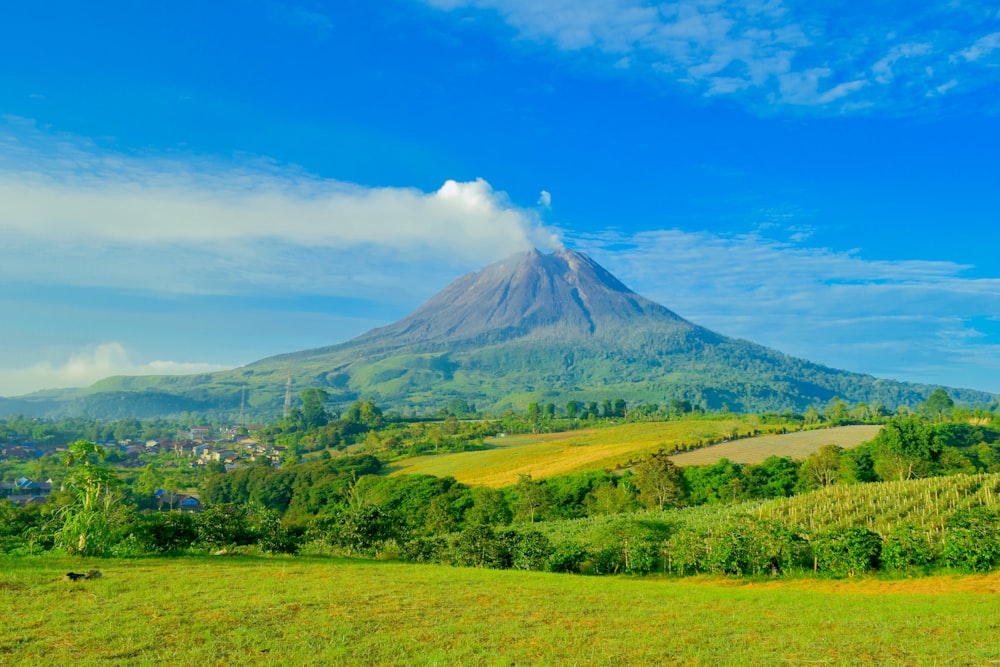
point(823, 467)
point(489, 507)
point(905, 448)
point(532, 497)
point(149, 481)
point(313, 412)
point(659, 481)
point(609, 498)
point(365, 412)
point(87, 518)
point(572, 409)
point(812, 416)
point(836, 411)
point(938, 405)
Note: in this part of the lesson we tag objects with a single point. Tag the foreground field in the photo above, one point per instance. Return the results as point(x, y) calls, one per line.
point(303, 611)
point(552, 454)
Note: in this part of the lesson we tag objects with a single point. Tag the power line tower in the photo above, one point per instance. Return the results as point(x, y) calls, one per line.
point(288, 395)
point(243, 404)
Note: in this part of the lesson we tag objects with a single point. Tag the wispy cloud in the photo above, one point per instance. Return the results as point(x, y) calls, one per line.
point(775, 54)
point(73, 213)
point(89, 365)
point(982, 47)
point(915, 320)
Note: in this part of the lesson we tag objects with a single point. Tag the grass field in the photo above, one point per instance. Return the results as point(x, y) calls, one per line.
point(598, 449)
point(287, 611)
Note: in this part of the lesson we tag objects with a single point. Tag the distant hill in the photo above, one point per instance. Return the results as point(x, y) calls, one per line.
point(532, 327)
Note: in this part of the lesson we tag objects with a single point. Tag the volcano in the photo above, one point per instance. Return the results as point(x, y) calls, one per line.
point(532, 327)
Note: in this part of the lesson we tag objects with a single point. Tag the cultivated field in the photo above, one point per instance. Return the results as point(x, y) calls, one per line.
point(285, 611)
point(797, 445)
point(598, 449)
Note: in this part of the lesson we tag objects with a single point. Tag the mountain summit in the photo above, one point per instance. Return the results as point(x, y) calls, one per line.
point(564, 295)
point(532, 327)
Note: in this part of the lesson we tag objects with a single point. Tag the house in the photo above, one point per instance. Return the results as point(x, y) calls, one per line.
point(23, 500)
point(22, 452)
point(201, 432)
point(189, 503)
point(225, 455)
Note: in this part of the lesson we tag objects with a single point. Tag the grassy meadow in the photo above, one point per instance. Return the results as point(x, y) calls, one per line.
point(281, 611)
point(550, 454)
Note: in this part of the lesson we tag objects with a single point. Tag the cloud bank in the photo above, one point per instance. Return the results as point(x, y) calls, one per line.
point(74, 214)
point(88, 366)
point(775, 54)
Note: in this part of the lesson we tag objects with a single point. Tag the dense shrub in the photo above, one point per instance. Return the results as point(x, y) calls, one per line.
point(971, 540)
point(908, 546)
point(168, 532)
point(566, 557)
point(847, 551)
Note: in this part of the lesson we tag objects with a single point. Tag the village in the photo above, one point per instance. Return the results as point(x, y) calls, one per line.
point(220, 450)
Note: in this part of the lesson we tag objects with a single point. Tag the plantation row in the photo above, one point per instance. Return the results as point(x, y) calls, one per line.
point(839, 530)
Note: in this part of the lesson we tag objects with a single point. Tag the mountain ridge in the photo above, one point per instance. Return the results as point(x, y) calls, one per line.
point(531, 327)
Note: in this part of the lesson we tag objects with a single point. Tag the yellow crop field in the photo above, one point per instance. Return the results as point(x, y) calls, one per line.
point(553, 454)
point(798, 445)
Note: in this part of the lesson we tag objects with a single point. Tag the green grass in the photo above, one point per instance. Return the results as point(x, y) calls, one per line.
point(570, 452)
point(282, 611)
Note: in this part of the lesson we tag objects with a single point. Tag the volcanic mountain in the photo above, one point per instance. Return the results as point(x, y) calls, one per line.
point(532, 327)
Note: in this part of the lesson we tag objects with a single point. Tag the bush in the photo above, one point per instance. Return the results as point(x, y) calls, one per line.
point(168, 532)
point(566, 557)
point(361, 530)
point(480, 546)
point(971, 542)
point(423, 550)
point(685, 551)
point(224, 527)
point(847, 551)
point(529, 550)
point(908, 546)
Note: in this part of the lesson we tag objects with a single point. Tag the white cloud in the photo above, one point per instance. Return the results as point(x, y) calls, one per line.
point(88, 366)
point(74, 214)
point(771, 53)
point(982, 47)
point(884, 68)
point(545, 199)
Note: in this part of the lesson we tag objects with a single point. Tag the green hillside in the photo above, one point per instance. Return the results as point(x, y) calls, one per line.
point(530, 328)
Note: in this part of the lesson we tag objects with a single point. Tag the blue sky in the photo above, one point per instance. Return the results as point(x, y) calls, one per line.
point(187, 186)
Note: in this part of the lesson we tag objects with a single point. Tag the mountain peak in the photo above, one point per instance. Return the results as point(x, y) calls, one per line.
point(563, 294)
